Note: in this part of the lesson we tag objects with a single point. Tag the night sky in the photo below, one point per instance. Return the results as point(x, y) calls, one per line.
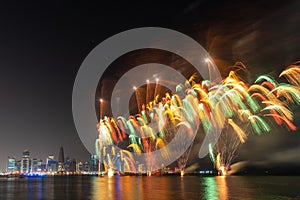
point(43, 45)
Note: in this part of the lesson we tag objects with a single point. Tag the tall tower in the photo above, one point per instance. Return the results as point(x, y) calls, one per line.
point(61, 160)
point(11, 164)
point(26, 162)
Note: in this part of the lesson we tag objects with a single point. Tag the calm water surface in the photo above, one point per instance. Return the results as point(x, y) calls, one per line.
point(165, 187)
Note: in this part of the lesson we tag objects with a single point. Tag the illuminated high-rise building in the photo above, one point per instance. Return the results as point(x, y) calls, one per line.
point(79, 167)
point(94, 163)
point(86, 166)
point(26, 153)
point(67, 164)
point(36, 165)
point(61, 160)
point(51, 164)
point(11, 164)
point(72, 166)
point(26, 162)
point(18, 165)
point(39, 165)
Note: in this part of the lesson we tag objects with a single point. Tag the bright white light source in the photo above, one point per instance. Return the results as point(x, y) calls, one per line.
point(110, 172)
point(207, 60)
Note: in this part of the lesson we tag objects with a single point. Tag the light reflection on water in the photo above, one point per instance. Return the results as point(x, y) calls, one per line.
point(222, 187)
point(163, 188)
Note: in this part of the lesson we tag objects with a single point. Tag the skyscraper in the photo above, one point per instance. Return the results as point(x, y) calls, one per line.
point(26, 162)
point(18, 165)
point(67, 164)
point(72, 167)
point(94, 163)
point(79, 167)
point(11, 164)
point(39, 165)
point(61, 160)
point(51, 164)
point(86, 166)
point(34, 165)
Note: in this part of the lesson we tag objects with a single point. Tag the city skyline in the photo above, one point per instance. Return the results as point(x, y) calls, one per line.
point(28, 164)
point(56, 155)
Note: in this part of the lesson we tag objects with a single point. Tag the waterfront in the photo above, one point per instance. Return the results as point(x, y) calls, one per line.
point(154, 187)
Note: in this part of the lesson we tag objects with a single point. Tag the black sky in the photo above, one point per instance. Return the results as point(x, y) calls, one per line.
point(43, 45)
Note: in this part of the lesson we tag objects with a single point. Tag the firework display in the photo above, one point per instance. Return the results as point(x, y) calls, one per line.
point(232, 105)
